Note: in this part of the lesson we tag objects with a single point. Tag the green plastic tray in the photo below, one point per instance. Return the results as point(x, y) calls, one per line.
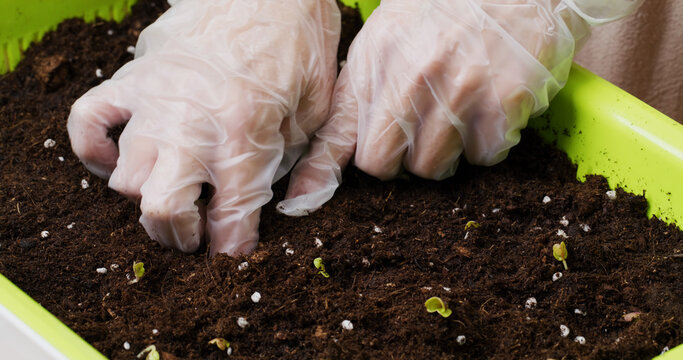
point(26, 21)
point(603, 129)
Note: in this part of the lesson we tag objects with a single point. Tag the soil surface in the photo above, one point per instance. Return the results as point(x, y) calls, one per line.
point(387, 246)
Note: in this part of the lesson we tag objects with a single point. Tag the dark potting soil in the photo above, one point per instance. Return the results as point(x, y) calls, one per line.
point(388, 246)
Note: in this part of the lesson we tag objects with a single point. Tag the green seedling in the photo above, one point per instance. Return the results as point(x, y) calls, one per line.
point(138, 271)
point(560, 253)
point(471, 224)
point(435, 304)
point(222, 344)
point(151, 351)
point(318, 262)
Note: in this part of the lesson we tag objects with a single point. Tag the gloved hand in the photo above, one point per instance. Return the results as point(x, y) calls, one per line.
point(428, 81)
point(226, 92)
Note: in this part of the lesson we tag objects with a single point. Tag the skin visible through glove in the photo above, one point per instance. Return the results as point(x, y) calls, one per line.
point(251, 82)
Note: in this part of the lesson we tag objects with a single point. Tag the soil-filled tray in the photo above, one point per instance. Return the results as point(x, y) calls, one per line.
point(387, 247)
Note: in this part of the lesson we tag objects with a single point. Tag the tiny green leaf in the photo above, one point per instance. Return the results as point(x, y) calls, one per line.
point(138, 271)
point(318, 263)
point(471, 224)
point(435, 304)
point(221, 343)
point(151, 351)
point(153, 355)
point(560, 253)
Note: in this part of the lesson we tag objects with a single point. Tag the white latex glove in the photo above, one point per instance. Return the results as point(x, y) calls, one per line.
point(429, 80)
point(225, 92)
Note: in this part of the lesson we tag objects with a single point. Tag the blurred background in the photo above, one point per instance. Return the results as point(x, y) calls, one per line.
point(642, 54)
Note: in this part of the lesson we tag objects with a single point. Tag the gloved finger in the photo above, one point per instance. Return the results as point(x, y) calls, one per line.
point(318, 174)
point(438, 143)
point(504, 102)
point(312, 111)
point(137, 156)
point(437, 146)
point(100, 109)
point(385, 130)
point(170, 213)
point(242, 175)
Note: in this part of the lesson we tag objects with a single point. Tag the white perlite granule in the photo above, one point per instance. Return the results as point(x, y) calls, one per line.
point(49, 143)
point(256, 297)
point(242, 322)
point(564, 330)
point(347, 325)
point(546, 199)
point(564, 221)
point(84, 184)
point(461, 339)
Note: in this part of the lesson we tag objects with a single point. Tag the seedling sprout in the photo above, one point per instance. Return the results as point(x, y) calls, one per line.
point(560, 253)
point(222, 344)
point(318, 262)
point(471, 224)
point(435, 304)
point(151, 351)
point(138, 271)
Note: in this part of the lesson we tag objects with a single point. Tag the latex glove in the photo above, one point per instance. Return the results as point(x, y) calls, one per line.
point(428, 81)
point(225, 92)
point(603, 11)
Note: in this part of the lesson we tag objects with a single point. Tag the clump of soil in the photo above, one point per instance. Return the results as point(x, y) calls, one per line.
point(388, 246)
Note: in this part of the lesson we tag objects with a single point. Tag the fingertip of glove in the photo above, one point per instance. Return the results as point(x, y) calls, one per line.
point(289, 208)
point(102, 171)
point(233, 249)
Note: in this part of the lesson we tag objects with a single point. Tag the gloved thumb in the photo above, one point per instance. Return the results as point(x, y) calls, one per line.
point(318, 174)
